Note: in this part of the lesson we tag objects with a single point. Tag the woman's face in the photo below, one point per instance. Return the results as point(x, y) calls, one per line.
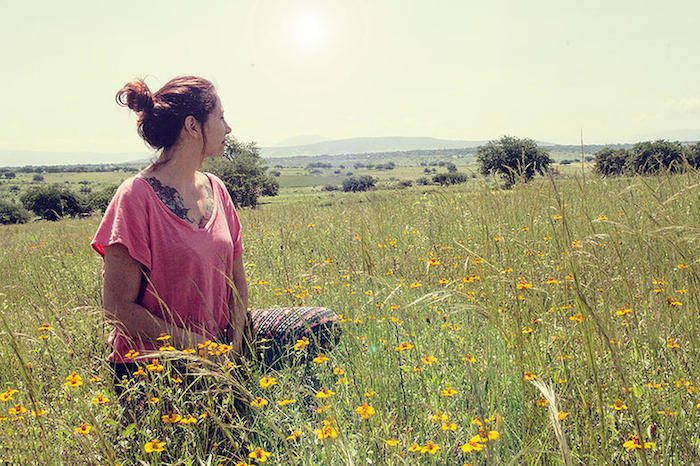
point(215, 130)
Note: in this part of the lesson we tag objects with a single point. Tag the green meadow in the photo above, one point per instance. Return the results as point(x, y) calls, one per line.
point(554, 323)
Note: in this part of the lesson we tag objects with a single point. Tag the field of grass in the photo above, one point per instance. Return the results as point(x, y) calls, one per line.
point(555, 323)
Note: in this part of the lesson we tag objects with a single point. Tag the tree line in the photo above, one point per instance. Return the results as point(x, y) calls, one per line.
point(241, 169)
point(647, 158)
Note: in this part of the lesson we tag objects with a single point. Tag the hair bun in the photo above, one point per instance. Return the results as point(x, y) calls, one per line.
point(136, 96)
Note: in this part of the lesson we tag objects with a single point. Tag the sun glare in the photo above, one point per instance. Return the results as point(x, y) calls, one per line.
point(309, 30)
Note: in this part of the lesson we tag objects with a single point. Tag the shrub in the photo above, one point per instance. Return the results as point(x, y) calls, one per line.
point(99, 200)
point(359, 183)
point(330, 187)
point(609, 162)
point(52, 202)
point(423, 181)
point(38, 178)
point(13, 213)
point(446, 179)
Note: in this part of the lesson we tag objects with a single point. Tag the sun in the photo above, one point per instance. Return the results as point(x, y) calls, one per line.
point(308, 30)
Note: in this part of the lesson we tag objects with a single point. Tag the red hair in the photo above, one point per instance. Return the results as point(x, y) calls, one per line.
point(162, 115)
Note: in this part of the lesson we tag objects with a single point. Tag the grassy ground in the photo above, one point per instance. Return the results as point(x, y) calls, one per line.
point(548, 324)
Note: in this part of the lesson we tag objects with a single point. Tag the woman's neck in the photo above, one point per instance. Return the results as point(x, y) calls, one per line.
point(180, 167)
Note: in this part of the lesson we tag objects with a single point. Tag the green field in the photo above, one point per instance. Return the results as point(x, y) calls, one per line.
point(548, 324)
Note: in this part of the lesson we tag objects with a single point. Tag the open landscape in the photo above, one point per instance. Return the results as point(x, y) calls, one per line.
point(552, 323)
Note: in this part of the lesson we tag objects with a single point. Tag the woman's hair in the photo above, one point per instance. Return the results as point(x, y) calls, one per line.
point(162, 115)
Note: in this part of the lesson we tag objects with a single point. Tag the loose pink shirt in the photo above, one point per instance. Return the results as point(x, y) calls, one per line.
point(186, 267)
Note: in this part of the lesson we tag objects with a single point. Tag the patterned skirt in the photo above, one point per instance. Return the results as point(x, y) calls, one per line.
point(276, 330)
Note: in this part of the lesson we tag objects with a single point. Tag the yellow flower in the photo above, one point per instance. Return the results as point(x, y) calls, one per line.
point(259, 455)
point(619, 406)
point(365, 410)
point(443, 281)
point(428, 359)
point(189, 420)
point(327, 431)
point(370, 393)
point(415, 285)
point(17, 410)
point(176, 379)
point(321, 358)
point(449, 426)
point(47, 327)
point(5, 396)
point(621, 311)
point(562, 415)
point(294, 435)
point(529, 376)
point(542, 401)
point(171, 418)
point(286, 402)
point(259, 402)
point(404, 346)
point(266, 382)
point(414, 448)
point(163, 337)
point(472, 445)
point(392, 442)
point(189, 351)
point(634, 444)
point(323, 393)
point(95, 379)
point(154, 445)
point(74, 380)
point(672, 343)
point(83, 429)
point(448, 392)
point(430, 447)
point(131, 354)
point(523, 284)
point(576, 317)
point(98, 400)
point(673, 302)
point(155, 366)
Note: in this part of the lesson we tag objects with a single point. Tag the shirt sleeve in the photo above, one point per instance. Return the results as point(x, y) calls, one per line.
point(125, 222)
point(231, 217)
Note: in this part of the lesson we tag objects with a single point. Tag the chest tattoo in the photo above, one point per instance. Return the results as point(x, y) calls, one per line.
point(174, 201)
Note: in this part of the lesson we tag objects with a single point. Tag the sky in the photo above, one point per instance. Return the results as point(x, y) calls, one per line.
point(613, 70)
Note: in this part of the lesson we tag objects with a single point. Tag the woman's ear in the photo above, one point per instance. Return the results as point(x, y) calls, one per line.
point(192, 127)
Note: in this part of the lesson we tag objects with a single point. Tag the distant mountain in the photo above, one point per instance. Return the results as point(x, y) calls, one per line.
point(301, 140)
point(366, 145)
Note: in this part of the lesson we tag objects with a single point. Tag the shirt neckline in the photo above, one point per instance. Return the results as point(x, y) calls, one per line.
point(178, 219)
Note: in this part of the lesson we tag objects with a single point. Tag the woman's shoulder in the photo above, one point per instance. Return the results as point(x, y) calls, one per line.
point(133, 187)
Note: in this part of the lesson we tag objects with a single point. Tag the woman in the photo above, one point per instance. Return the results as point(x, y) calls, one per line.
point(171, 238)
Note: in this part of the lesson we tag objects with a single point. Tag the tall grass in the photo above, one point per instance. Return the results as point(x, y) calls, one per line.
point(453, 301)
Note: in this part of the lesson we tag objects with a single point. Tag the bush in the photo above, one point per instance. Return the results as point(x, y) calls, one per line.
point(609, 162)
point(13, 213)
point(446, 179)
point(359, 183)
point(423, 181)
point(38, 178)
point(10, 175)
point(275, 173)
point(52, 202)
point(99, 200)
point(513, 159)
point(330, 187)
point(648, 158)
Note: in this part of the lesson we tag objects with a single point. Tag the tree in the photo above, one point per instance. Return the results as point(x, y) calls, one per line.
point(647, 158)
point(12, 213)
point(611, 162)
point(446, 179)
point(243, 172)
point(513, 159)
point(358, 183)
point(99, 200)
point(52, 202)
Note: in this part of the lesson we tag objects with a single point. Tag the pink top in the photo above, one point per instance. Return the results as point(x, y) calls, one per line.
point(187, 267)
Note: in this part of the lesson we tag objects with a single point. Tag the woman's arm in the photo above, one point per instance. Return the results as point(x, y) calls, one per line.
point(122, 283)
point(238, 305)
